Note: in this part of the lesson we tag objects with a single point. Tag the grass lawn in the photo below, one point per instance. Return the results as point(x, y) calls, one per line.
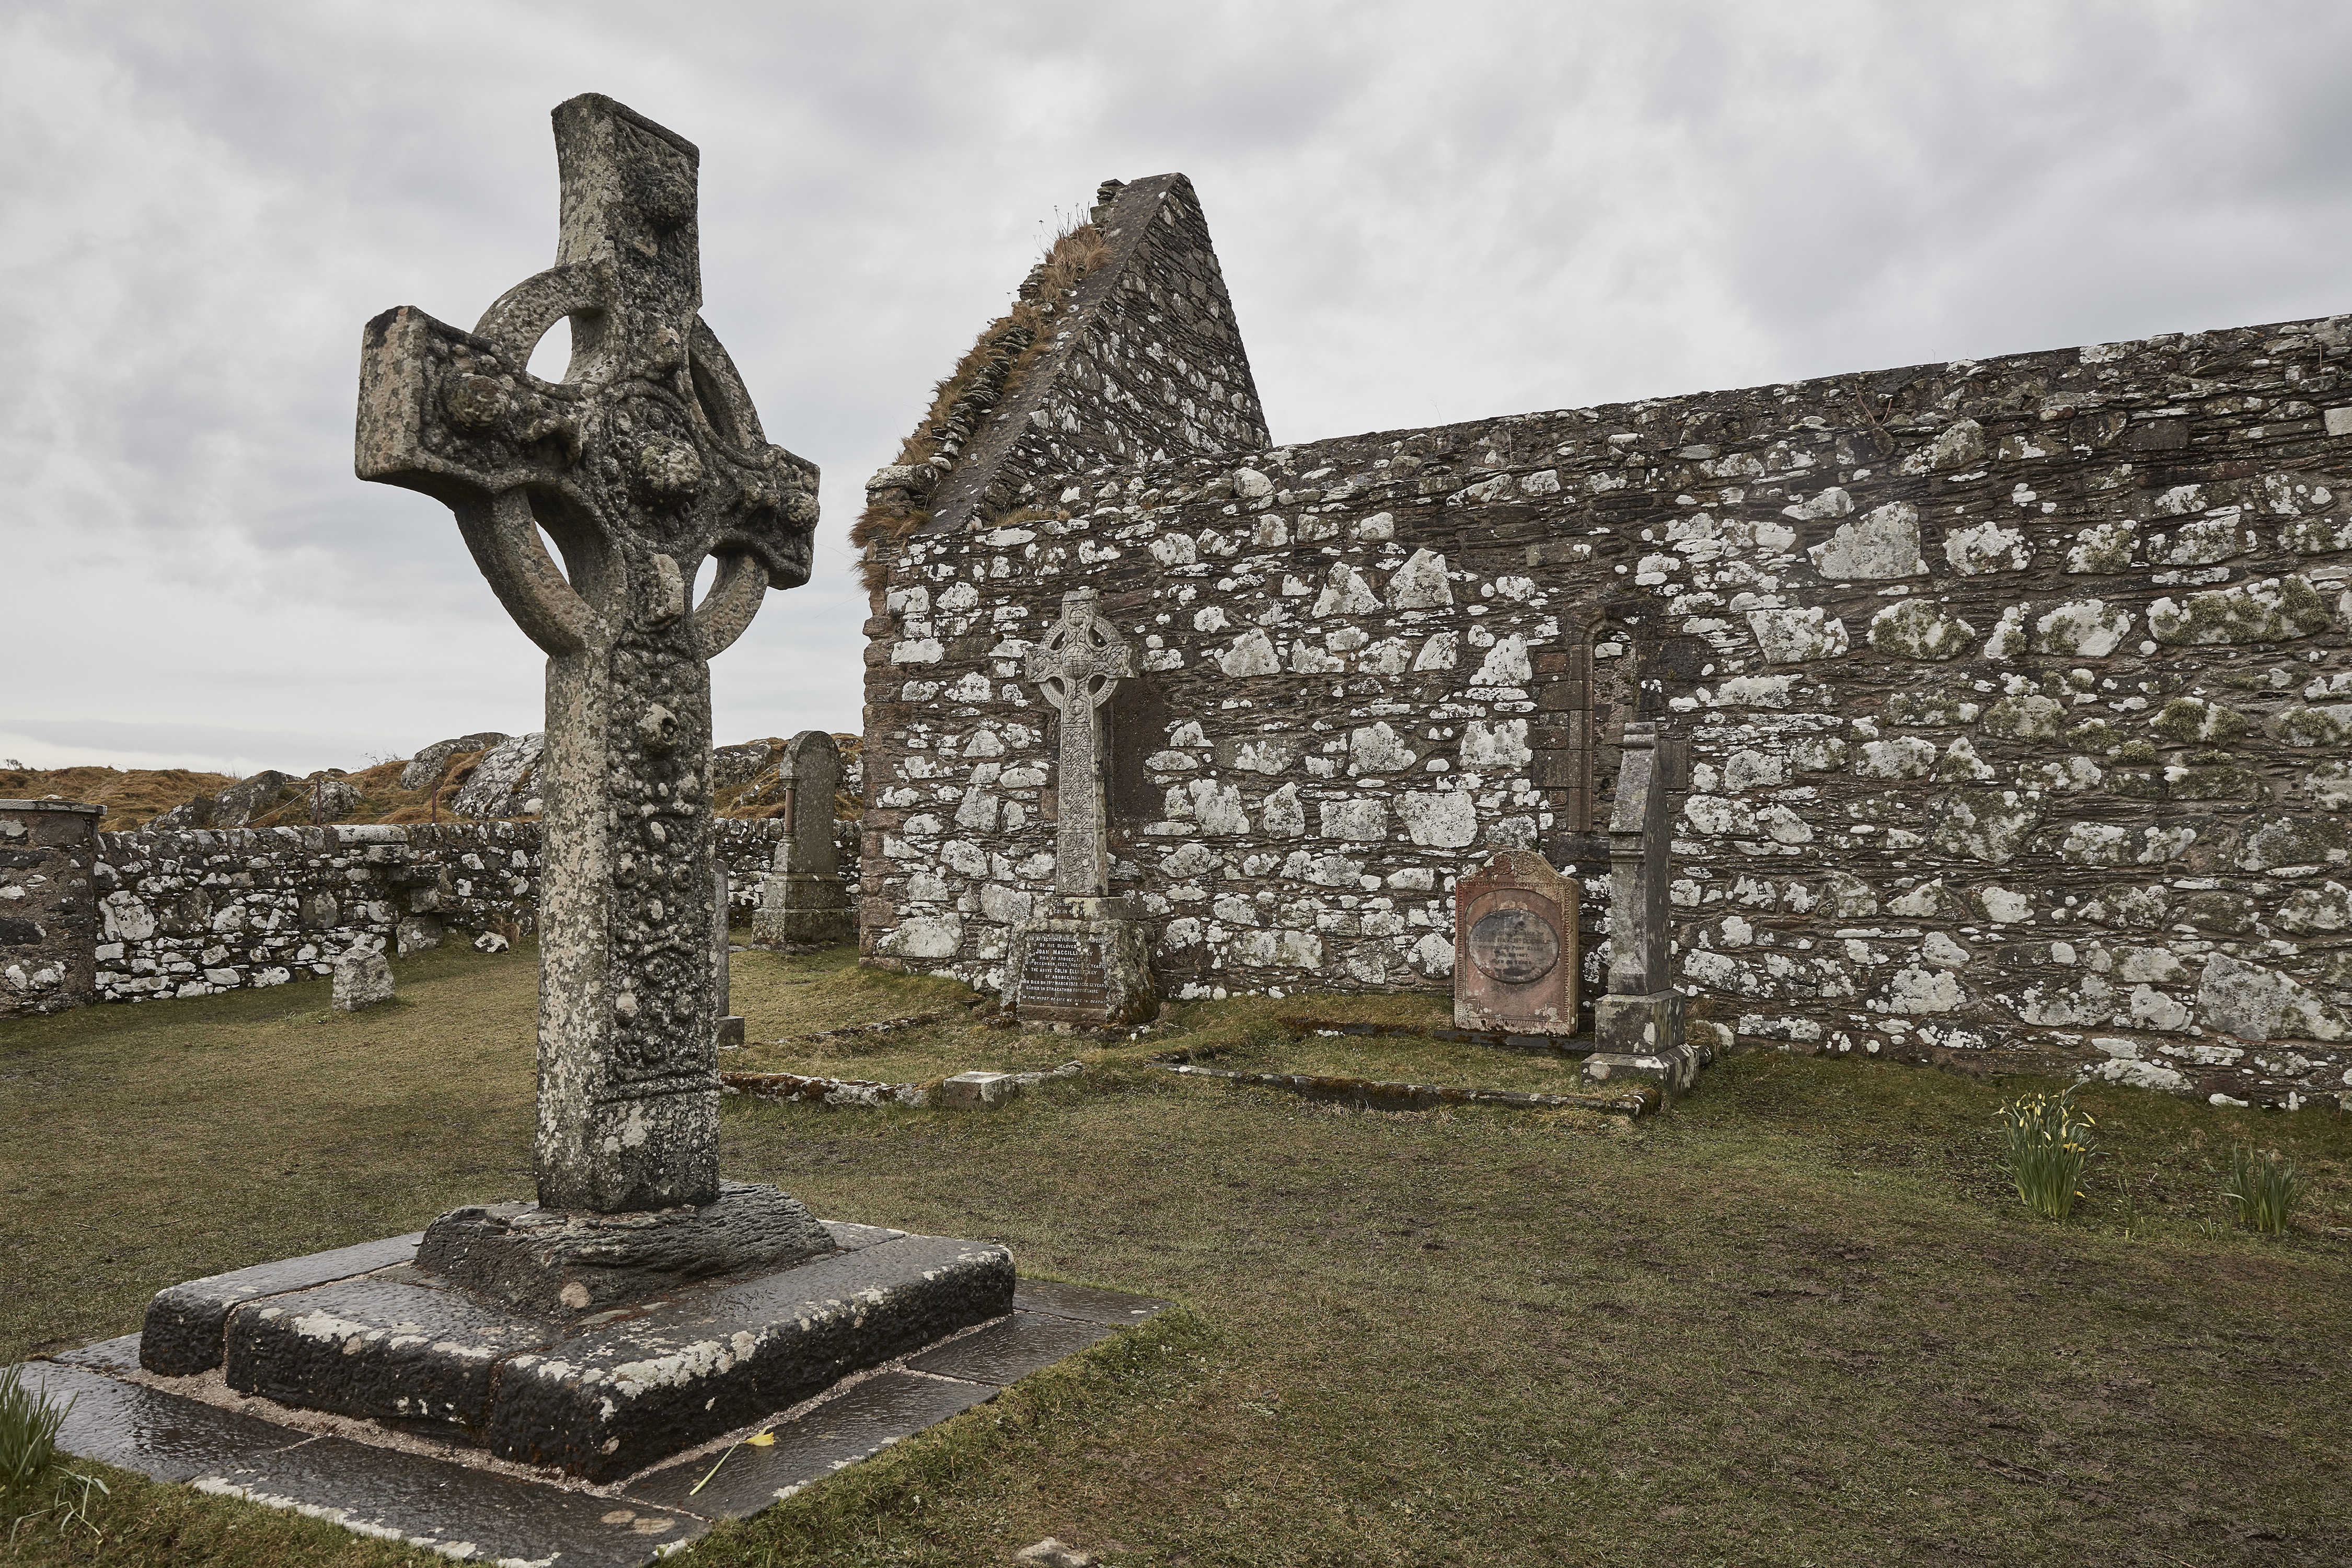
point(1797, 1319)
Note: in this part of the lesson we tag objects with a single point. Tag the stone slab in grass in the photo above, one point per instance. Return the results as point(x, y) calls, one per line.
point(452, 1510)
point(857, 1423)
point(115, 1357)
point(163, 1436)
point(1084, 1302)
point(1010, 1350)
point(438, 1502)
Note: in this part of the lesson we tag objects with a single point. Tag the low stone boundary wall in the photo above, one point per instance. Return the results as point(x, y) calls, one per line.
point(194, 912)
point(47, 847)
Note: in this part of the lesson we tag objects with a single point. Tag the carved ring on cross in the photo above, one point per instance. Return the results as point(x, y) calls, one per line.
point(1081, 651)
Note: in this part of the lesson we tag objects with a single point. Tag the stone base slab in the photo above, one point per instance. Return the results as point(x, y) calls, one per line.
point(446, 1499)
point(1638, 1026)
point(1642, 1038)
point(803, 907)
point(602, 1395)
point(555, 1264)
point(188, 1324)
point(1673, 1071)
point(615, 1400)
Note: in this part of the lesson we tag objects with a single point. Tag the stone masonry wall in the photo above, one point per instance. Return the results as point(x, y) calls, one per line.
point(2019, 693)
point(46, 918)
point(191, 913)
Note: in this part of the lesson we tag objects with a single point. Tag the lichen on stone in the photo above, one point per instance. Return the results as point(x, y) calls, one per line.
point(1919, 628)
point(1882, 543)
point(2274, 610)
point(2189, 718)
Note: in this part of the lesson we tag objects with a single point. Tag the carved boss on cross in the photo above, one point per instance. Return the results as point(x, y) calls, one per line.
point(643, 460)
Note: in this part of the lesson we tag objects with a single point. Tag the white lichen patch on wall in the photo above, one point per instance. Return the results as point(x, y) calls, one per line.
point(195, 912)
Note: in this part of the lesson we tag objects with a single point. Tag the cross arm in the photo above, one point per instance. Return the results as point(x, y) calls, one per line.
point(773, 520)
point(763, 538)
point(441, 412)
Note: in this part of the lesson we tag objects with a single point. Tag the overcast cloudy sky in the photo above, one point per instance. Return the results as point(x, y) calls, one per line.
point(1426, 212)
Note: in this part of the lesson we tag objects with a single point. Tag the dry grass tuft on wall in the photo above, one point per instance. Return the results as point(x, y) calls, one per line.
point(1019, 338)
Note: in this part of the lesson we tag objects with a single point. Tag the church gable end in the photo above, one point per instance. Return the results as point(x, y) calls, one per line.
point(1121, 350)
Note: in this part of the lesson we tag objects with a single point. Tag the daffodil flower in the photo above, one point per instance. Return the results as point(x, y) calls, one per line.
point(766, 1440)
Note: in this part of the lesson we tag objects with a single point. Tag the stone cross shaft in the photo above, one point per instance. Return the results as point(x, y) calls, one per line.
point(1640, 943)
point(1079, 664)
point(645, 461)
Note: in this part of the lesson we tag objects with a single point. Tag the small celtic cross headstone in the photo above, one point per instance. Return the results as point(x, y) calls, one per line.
point(1085, 962)
point(1079, 664)
point(645, 461)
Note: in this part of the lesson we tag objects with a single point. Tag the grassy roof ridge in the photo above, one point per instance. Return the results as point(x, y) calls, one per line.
point(995, 368)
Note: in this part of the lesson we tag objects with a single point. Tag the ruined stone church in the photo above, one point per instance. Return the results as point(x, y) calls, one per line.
point(2016, 691)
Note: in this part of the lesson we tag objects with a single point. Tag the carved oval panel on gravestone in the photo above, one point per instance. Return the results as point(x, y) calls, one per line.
point(1514, 946)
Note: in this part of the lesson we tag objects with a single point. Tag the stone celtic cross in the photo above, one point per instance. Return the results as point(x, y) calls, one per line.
point(646, 459)
point(1077, 666)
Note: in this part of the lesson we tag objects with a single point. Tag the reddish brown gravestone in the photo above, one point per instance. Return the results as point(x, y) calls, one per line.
point(1515, 957)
